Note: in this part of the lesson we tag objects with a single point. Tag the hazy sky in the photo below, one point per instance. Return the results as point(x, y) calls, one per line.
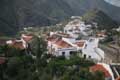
point(114, 2)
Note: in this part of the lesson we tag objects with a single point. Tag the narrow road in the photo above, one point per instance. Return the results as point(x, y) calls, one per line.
point(110, 54)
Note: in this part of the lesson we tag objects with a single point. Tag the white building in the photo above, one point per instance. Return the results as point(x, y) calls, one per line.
point(92, 51)
point(59, 46)
point(77, 27)
point(20, 43)
point(118, 29)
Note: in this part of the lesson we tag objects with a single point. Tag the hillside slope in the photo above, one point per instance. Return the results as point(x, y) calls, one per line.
point(8, 20)
point(103, 20)
point(16, 14)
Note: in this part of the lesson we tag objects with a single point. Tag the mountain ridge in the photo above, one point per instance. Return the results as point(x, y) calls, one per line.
point(23, 13)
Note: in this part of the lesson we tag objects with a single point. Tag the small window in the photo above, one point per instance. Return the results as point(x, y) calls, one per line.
point(73, 52)
point(70, 30)
point(63, 53)
point(65, 31)
point(80, 51)
point(89, 57)
point(85, 46)
point(85, 56)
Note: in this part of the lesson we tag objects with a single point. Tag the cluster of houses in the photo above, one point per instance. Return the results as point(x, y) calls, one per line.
point(68, 43)
point(77, 27)
point(22, 44)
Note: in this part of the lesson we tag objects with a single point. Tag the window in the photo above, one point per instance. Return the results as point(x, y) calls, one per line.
point(85, 56)
point(70, 30)
point(65, 31)
point(63, 53)
point(73, 53)
point(80, 51)
point(85, 46)
point(89, 57)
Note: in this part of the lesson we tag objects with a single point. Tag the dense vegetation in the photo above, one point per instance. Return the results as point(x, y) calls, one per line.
point(23, 66)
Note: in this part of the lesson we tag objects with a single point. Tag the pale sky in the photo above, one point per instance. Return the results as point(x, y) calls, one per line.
point(114, 2)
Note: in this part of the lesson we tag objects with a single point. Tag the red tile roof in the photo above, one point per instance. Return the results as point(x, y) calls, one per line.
point(17, 45)
point(80, 43)
point(99, 67)
point(99, 34)
point(2, 60)
point(27, 37)
point(52, 39)
point(118, 78)
point(62, 44)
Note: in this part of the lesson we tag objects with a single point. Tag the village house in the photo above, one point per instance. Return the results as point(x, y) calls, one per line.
point(105, 68)
point(22, 43)
point(92, 50)
point(18, 44)
point(101, 35)
point(59, 47)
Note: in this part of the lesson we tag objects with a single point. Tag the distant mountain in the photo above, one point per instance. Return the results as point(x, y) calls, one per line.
point(103, 20)
point(111, 10)
point(15, 14)
point(114, 2)
point(41, 12)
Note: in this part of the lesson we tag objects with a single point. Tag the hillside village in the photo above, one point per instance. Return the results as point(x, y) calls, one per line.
point(79, 38)
point(76, 38)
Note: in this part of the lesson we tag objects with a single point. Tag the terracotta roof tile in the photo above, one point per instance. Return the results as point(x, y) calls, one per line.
point(17, 44)
point(101, 34)
point(80, 43)
point(99, 67)
point(118, 78)
point(27, 37)
point(52, 39)
point(62, 44)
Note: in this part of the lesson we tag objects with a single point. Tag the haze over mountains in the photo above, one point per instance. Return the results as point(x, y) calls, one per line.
point(15, 14)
